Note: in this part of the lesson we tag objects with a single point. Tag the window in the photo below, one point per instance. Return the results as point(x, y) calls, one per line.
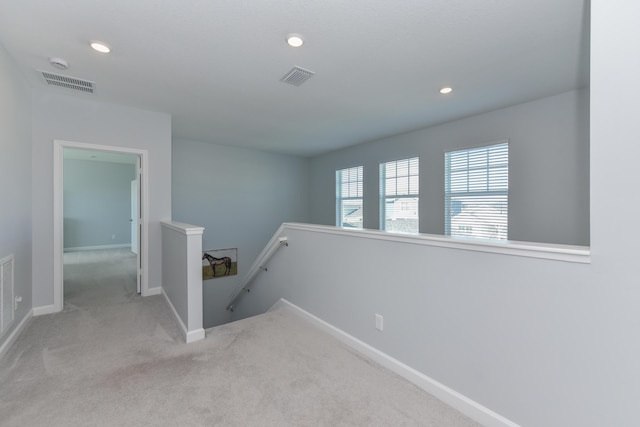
point(476, 192)
point(399, 195)
point(349, 197)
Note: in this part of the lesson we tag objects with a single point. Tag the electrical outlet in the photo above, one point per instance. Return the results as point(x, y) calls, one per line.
point(379, 322)
point(113, 237)
point(17, 301)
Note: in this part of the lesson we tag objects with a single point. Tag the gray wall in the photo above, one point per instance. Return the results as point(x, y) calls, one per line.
point(240, 197)
point(86, 120)
point(97, 203)
point(15, 176)
point(548, 168)
point(505, 331)
point(543, 343)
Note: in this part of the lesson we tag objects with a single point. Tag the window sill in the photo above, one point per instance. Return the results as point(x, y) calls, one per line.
point(556, 252)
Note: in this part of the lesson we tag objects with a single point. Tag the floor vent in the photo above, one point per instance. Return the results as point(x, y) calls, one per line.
point(6, 293)
point(67, 82)
point(296, 76)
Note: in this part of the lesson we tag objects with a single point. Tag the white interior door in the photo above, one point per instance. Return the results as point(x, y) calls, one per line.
point(137, 214)
point(134, 216)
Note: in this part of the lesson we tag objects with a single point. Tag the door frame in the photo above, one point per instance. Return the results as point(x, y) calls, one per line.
point(58, 215)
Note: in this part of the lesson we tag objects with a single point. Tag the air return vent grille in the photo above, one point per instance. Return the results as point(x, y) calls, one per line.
point(296, 76)
point(68, 82)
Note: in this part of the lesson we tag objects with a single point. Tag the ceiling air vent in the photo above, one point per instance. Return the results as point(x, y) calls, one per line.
point(68, 82)
point(296, 76)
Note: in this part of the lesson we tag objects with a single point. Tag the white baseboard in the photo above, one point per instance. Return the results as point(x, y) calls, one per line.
point(152, 291)
point(193, 336)
point(13, 336)
point(189, 336)
point(44, 309)
point(96, 248)
point(470, 408)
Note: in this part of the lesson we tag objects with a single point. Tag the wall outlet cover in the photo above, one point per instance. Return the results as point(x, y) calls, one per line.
point(379, 322)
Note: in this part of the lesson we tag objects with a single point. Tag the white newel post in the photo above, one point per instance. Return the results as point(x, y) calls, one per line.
point(182, 276)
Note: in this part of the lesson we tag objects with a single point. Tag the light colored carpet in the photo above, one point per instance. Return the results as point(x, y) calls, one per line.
point(112, 358)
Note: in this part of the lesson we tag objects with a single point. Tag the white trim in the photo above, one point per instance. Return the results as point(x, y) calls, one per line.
point(9, 260)
point(189, 336)
point(143, 241)
point(58, 214)
point(153, 291)
point(97, 248)
point(193, 336)
point(181, 325)
point(478, 145)
point(13, 336)
point(58, 224)
point(469, 407)
point(186, 229)
point(44, 309)
point(568, 253)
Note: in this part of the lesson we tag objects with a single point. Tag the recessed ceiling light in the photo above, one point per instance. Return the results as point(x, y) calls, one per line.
point(100, 47)
point(295, 40)
point(446, 90)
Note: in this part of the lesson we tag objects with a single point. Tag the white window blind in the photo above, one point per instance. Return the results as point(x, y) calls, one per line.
point(349, 197)
point(476, 192)
point(399, 195)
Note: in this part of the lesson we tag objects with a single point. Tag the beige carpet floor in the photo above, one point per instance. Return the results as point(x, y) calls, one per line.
point(112, 358)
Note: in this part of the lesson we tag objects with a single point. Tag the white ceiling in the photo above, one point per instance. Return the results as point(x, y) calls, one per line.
point(215, 65)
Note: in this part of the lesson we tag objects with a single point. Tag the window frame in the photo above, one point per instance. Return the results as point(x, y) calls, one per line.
point(499, 169)
point(340, 199)
point(409, 195)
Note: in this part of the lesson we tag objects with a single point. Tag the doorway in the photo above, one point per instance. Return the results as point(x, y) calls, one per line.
point(136, 224)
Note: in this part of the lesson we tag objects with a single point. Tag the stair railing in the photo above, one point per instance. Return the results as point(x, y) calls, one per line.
point(260, 264)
